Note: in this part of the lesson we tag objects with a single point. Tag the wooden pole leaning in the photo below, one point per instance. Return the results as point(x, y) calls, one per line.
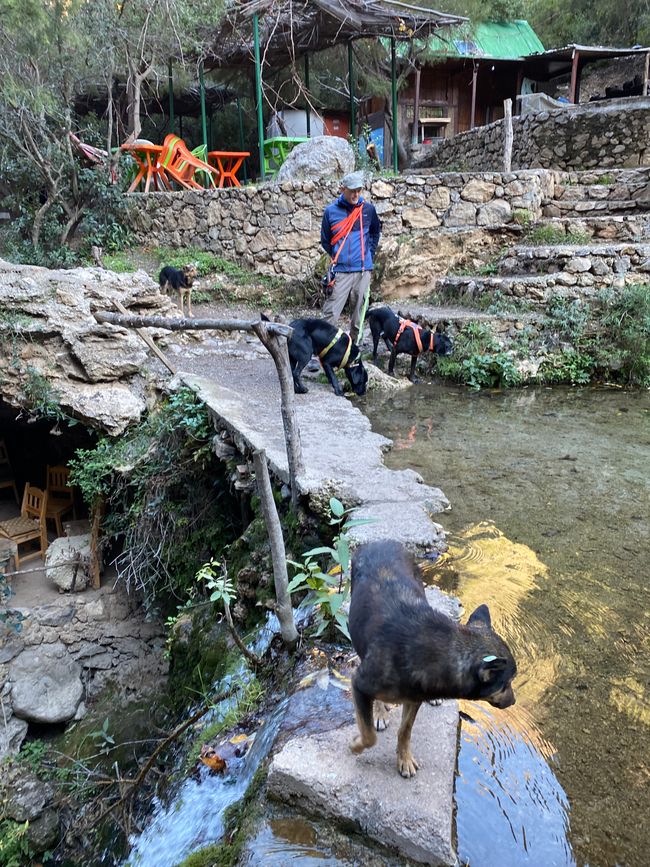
point(283, 609)
point(277, 347)
point(274, 336)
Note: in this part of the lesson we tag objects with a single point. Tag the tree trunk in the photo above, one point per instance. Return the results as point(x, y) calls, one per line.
point(39, 216)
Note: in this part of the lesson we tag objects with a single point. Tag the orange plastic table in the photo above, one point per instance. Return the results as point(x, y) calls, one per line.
point(227, 164)
point(146, 157)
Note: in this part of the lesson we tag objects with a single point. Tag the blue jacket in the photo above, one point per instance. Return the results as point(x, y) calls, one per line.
point(350, 256)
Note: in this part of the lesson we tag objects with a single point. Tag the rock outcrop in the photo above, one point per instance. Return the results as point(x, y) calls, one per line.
point(55, 352)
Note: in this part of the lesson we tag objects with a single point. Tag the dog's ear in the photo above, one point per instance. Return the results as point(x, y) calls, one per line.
point(489, 666)
point(480, 617)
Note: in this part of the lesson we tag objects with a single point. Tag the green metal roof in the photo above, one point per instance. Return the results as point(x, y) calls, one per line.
point(503, 40)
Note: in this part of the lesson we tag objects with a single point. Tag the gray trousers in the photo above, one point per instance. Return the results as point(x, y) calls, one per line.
point(355, 286)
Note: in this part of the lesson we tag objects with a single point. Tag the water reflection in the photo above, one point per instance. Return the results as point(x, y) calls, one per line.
point(558, 480)
point(504, 778)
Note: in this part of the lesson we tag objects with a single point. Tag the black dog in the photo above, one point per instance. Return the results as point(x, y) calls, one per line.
point(181, 282)
point(335, 349)
point(410, 653)
point(403, 336)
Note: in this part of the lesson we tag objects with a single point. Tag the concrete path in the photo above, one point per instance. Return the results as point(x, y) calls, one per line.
point(342, 456)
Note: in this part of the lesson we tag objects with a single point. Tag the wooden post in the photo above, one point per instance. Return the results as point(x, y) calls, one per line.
point(573, 88)
point(277, 347)
point(646, 69)
point(507, 135)
point(415, 132)
point(283, 608)
point(95, 566)
point(472, 117)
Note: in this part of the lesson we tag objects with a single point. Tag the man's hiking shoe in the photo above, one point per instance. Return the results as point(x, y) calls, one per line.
point(313, 365)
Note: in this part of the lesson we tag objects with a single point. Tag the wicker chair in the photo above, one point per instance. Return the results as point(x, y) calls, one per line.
point(31, 525)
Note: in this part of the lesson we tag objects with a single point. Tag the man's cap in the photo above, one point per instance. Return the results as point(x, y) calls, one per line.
point(353, 181)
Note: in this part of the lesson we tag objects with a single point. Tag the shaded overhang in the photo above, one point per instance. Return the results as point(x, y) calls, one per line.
point(559, 61)
point(187, 102)
point(292, 28)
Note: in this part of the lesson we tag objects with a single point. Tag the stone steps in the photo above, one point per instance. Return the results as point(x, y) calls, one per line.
point(602, 261)
point(536, 289)
point(606, 227)
point(575, 207)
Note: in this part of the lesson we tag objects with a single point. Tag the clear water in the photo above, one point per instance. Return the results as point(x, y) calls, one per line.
point(550, 492)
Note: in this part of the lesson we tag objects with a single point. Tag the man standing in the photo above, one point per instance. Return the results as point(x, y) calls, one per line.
point(350, 234)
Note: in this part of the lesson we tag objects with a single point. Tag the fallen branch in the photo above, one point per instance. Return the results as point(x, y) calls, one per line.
point(137, 781)
point(254, 660)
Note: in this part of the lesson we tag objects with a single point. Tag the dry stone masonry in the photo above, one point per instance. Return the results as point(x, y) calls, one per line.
point(615, 134)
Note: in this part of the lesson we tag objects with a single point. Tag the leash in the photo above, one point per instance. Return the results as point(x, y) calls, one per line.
point(346, 354)
point(406, 323)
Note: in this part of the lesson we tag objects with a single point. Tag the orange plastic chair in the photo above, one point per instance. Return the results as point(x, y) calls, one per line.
point(31, 525)
point(180, 165)
point(60, 497)
point(7, 479)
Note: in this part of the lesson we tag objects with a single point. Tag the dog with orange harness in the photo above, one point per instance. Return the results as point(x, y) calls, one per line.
point(403, 336)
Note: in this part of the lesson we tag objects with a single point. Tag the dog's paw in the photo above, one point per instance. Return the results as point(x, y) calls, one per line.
point(435, 702)
point(407, 765)
point(300, 389)
point(356, 745)
point(382, 712)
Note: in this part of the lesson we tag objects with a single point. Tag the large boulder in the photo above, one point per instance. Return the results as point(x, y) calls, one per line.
point(324, 157)
point(98, 373)
point(46, 684)
point(59, 559)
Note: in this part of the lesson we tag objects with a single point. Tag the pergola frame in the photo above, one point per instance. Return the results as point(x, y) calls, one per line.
point(258, 32)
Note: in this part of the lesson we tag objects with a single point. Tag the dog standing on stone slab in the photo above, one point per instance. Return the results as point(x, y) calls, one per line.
point(180, 281)
point(411, 653)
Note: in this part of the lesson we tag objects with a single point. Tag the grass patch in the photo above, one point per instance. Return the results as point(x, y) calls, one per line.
point(121, 262)
point(545, 235)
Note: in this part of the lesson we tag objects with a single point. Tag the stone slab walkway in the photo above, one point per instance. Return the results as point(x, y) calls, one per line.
point(342, 455)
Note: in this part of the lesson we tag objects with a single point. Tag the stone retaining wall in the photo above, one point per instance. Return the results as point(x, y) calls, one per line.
point(275, 229)
point(76, 645)
point(614, 135)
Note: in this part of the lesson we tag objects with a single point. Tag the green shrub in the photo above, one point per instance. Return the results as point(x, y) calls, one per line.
point(478, 360)
point(168, 501)
point(626, 322)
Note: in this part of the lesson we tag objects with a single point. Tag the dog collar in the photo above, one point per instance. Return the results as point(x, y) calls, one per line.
point(346, 356)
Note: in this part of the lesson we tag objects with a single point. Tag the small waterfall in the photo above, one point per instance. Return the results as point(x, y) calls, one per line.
point(194, 816)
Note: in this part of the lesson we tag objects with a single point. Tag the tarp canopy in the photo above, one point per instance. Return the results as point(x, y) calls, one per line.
point(558, 61)
point(292, 28)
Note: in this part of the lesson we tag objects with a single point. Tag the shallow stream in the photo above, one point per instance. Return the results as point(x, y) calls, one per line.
point(549, 526)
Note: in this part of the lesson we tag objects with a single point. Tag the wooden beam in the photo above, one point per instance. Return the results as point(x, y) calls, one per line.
point(646, 69)
point(573, 88)
point(472, 117)
point(277, 347)
point(415, 132)
point(185, 324)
